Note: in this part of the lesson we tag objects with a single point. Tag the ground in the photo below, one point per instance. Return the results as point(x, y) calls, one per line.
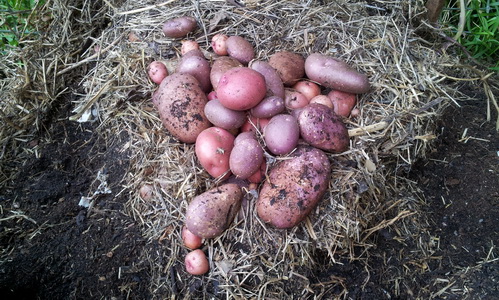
point(57, 249)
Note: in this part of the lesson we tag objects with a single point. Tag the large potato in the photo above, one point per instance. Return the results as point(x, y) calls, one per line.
point(220, 66)
point(179, 27)
point(336, 74)
point(213, 147)
point(239, 48)
point(210, 213)
point(322, 128)
point(289, 65)
point(180, 102)
point(275, 87)
point(241, 88)
point(198, 67)
point(246, 158)
point(294, 187)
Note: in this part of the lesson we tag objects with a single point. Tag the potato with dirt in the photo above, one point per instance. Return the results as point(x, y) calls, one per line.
point(294, 187)
point(240, 49)
point(180, 102)
point(179, 27)
point(289, 65)
point(211, 213)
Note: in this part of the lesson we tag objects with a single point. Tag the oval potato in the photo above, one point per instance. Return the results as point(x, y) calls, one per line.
point(198, 67)
point(289, 65)
point(240, 49)
point(273, 81)
point(220, 66)
point(179, 27)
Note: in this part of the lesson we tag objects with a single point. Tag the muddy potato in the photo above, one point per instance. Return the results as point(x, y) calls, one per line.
point(179, 27)
point(213, 147)
point(281, 134)
point(343, 102)
point(268, 107)
point(211, 213)
point(336, 74)
point(223, 117)
point(180, 102)
point(289, 65)
point(220, 66)
point(198, 67)
point(241, 88)
point(323, 129)
point(294, 187)
point(240, 49)
point(246, 158)
point(273, 81)
point(293, 99)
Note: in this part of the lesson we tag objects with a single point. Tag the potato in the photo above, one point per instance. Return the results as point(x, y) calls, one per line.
point(336, 74)
point(307, 88)
point(273, 81)
point(290, 66)
point(268, 107)
point(220, 66)
point(294, 99)
point(146, 192)
point(157, 71)
point(241, 88)
point(343, 102)
point(213, 147)
point(188, 46)
point(258, 176)
point(244, 135)
point(281, 134)
point(322, 99)
point(255, 124)
point(219, 44)
point(198, 67)
point(240, 49)
point(179, 27)
point(246, 158)
point(191, 240)
point(196, 262)
point(294, 187)
point(323, 129)
point(210, 213)
point(223, 117)
point(180, 102)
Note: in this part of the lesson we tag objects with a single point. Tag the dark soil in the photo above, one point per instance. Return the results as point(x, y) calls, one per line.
point(60, 250)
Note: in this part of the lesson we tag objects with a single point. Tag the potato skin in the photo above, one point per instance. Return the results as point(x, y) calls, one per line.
point(220, 66)
point(322, 128)
point(223, 117)
point(336, 74)
point(273, 81)
point(241, 88)
point(180, 102)
point(268, 107)
point(210, 213)
point(179, 27)
point(343, 102)
point(198, 67)
point(294, 187)
point(213, 148)
point(289, 65)
point(240, 49)
point(157, 71)
point(281, 134)
point(246, 158)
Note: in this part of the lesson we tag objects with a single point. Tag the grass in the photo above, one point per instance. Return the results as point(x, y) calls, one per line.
point(14, 21)
point(480, 36)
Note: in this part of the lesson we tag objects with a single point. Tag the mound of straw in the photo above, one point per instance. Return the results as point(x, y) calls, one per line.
point(104, 51)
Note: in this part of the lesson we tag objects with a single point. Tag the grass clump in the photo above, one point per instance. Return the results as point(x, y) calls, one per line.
point(14, 21)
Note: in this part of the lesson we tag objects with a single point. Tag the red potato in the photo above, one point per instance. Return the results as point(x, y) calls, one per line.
point(213, 148)
point(281, 134)
point(294, 99)
point(268, 107)
point(188, 46)
point(157, 71)
point(246, 158)
point(273, 81)
point(241, 88)
point(212, 95)
point(253, 124)
point(322, 99)
point(289, 65)
point(219, 44)
point(179, 27)
point(259, 175)
point(220, 66)
point(196, 262)
point(198, 67)
point(343, 102)
point(307, 88)
point(240, 49)
point(191, 240)
point(223, 117)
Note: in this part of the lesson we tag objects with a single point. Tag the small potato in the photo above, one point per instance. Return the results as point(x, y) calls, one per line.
point(198, 67)
point(194, 52)
point(307, 88)
point(146, 192)
point(223, 117)
point(255, 124)
point(268, 107)
point(241, 88)
point(212, 95)
point(219, 44)
point(179, 27)
point(322, 99)
point(294, 99)
point(336, 74)
point(240, 49)
point(246, 158)
point(188, 45)
point(220, 66)
point(294, 187)
point(343, 102)
point(244, 136)
point(211, 213)
point(259, 175)
point(289, 65)
point(281, 134)
point(213, 147)
point(323, 129)
point(191, 240)
point(157, 71)
point(180, 102)
point(275, 87)
point(196, 262)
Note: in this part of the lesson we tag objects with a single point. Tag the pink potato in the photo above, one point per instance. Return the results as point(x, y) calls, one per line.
point(241, 88)
point(343, 102)
point(307, 88)
point(240, 49)
point(213, 148)
point(322, 99)
point(157, 71)
point(196, 262)
point(188, 45)
point(219, 44)
point(246, 158)
point(179, 27)
point(293, 99)
point(268, 107)
point(198, 67)
point(223, 117)
point(281, 134)
point(275, 87)
point(255, 124)
point(259, 175)
point(220, 66)
point(191, 240)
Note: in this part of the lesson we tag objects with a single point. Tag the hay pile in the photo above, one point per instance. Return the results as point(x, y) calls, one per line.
point(412, 83)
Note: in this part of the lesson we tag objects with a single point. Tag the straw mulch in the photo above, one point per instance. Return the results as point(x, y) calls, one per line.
point(413, 80)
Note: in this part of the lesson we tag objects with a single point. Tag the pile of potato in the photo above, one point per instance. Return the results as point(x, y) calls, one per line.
point(240, 111)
